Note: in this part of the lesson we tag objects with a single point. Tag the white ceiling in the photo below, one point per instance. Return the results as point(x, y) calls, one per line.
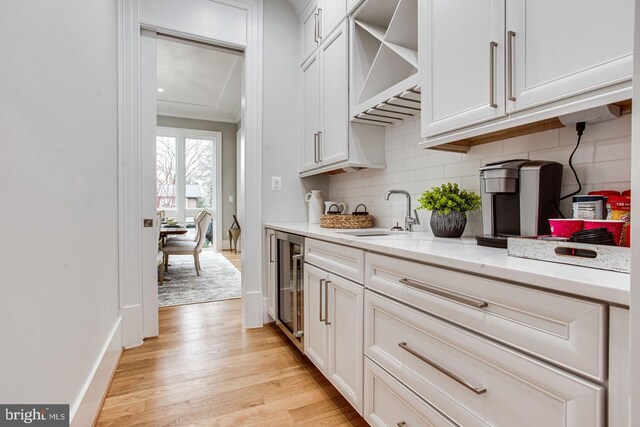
point(298, 5)
point(198, 82)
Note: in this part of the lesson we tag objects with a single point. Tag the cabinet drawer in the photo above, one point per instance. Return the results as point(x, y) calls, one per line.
point(341, 260)
point(472, 380)
point(389, 403)
point(566, 331)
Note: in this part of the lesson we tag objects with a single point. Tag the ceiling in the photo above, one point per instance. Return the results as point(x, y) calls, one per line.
point(298, 5)
point(198, 82)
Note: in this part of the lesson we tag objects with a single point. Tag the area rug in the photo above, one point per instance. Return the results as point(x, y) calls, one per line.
point(218, 280)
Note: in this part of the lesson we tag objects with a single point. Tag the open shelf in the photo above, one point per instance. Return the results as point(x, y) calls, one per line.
point(384, 60)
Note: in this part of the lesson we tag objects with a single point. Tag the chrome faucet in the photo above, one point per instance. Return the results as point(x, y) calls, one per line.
point(409, 221)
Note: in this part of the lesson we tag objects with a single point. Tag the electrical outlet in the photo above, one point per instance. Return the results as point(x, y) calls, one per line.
point(276, 183)
point(230, 199)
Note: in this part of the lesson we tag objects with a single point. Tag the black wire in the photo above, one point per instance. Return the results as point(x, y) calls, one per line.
point(574, 170)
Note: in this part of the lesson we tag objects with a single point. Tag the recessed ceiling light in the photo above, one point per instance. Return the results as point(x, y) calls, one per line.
point(160, 90)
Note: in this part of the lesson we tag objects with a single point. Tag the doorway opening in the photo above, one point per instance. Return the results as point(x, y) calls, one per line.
point(199, 98)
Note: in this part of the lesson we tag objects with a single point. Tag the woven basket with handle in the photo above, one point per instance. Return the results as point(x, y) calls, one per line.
point(338, 220)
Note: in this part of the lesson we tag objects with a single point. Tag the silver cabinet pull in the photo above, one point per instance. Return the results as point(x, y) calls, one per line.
point(315, 25)
point(476, 390)
point(510, 38)
point(315, 147)
point(320, 301)
point(271, 259)
point(492, 77)
point(319, 20)
point(326, 303)
point(319, 144)
point(451, 295)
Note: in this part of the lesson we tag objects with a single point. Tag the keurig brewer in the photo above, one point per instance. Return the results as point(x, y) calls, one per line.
point(518, 198)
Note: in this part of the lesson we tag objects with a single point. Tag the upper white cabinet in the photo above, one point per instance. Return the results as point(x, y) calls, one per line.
point(462, 45)
point(492, 65)
point(332, 12)
point(325, 91)
point(384, 59)
point(334, 97)
point(558, 49)
point(310, 113)
point(329, 141)
point(319, 19)
point(309, 30)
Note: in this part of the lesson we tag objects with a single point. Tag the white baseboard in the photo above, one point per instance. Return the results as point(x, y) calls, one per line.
point(86, 409)
point(253, 309)
point(132, 329)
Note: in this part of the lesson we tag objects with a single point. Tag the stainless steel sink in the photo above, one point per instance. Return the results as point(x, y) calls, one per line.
point(366, 233)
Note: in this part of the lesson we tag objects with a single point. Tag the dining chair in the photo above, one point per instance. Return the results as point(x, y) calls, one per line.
point(187, 247)
point(160, 256)
point(189, 238)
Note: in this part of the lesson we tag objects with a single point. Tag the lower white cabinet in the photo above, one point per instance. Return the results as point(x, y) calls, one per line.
point(388, 403)
point(333, 330)
point(471, 379)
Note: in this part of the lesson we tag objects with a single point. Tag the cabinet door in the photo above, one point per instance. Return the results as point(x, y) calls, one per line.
point(334, 99)
point(559, 49)
point(462, 63)
point(315, 311)
point(345, 338)
point(331, 13)
point(271, 281)
point(309, 31)
point(310, 113)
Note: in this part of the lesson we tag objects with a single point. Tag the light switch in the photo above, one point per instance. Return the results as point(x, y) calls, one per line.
point(276, 183)
point(230, 199)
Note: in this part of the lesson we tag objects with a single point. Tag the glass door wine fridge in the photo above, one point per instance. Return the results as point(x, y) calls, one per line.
point(290, 289)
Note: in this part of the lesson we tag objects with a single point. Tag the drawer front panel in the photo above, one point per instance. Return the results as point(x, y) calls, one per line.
point(566, 331)
point(389, 403)
point(472, 380)
point(341, 260)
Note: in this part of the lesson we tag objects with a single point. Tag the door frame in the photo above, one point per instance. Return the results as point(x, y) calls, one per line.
point(131, 233)
point(182, 134)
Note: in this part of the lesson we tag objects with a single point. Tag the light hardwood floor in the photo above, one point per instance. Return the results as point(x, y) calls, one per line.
point(205, 369)
point(233, 257)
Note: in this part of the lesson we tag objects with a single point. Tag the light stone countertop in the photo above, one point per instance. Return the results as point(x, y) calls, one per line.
point(463, 254)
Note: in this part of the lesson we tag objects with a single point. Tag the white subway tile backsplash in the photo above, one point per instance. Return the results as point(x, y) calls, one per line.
point(602, 161)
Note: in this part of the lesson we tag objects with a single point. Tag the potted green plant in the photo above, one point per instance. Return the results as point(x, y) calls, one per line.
point(449, 206)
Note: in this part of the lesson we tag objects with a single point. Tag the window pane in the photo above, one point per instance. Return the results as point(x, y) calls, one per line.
point(166, 172)
point(199, 173)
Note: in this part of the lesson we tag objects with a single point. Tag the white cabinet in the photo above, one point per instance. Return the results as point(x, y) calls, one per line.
point(273, 274)
point(345, 317)
point(334, 94)
point(462, 54)
point(315, 327)
point(332, 12)
point(492, 65)
point(325, 103)
point(475, 381)
point(387, 403)
point(309, 30)
point(310, 113)
point(343, 260)
point(333, 330)
point(619, 382)
point(583, 45)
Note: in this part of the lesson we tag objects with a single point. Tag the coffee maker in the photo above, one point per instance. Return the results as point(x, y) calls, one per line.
point(518, 198)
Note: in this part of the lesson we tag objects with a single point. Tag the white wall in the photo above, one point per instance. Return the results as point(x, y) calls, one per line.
point(282, 100)
point(58, 169)
point(602, 161)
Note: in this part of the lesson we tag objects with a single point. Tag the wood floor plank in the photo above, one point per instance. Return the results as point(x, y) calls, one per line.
point(205, 369)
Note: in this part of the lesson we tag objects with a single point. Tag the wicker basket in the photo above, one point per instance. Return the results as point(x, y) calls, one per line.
point(346, 221)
